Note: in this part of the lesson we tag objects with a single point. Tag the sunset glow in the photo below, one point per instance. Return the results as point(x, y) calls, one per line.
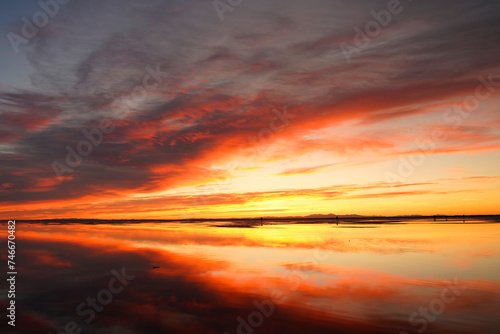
point(321, 278)
point(250, 166)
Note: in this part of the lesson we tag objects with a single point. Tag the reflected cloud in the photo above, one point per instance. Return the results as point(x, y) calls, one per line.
point(209, 276)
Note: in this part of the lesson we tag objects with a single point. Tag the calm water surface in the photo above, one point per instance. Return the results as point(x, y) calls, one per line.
point(283, 277)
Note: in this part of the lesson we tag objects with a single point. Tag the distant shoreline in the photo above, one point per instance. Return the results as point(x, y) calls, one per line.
point(341, 218)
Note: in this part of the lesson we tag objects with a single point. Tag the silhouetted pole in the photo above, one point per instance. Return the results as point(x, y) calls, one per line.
point(434, 218)
point(337, 220)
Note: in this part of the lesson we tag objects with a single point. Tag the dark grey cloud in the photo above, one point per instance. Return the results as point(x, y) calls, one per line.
point(219, 79)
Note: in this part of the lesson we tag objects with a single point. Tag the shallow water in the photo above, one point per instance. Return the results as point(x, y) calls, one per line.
point(283, 277)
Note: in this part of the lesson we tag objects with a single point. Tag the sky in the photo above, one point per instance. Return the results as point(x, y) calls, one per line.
point(218, 109)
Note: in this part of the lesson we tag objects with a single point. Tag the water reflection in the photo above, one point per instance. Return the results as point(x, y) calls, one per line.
point(277, 278)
